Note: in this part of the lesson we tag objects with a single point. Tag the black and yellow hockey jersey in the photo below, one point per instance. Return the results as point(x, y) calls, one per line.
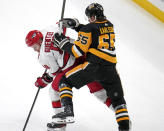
point(96, 41)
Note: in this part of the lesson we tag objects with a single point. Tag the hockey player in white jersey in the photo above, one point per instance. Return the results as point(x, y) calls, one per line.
point(58, 63)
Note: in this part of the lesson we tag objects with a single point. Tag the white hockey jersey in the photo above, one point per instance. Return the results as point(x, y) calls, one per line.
point(52, 57)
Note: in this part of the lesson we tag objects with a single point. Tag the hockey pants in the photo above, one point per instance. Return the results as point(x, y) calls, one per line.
point(95, 88)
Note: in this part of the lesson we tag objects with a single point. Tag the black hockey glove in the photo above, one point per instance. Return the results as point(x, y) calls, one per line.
point(60, 40)
point(70, 23)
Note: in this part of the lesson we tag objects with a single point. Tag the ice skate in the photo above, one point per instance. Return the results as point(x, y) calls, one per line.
point(130, 126)
point(56, 127)
point(65, 117)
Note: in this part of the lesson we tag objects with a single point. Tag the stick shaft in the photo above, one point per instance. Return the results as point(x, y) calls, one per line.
point(63, 9)
point(62, 16)
point(36, 96)
point(31, 109)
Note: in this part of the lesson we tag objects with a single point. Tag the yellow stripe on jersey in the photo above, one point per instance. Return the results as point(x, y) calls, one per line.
point(103, 55)
point(84, 41)
point(84, 65)
point(102, 21)
point(76, 69)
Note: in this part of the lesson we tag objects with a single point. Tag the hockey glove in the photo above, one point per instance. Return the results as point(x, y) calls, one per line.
point(70, 23)
point(60, 40)
point(43, 81)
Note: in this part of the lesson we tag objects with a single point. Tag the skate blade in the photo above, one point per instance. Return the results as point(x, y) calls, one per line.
point(70, 119)
point(57, 129)
point(59, 120)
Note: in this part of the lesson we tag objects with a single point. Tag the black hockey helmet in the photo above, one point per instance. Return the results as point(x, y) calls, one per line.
point(94, 9)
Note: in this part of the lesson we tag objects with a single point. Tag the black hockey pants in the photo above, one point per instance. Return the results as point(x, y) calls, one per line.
point(88, 72)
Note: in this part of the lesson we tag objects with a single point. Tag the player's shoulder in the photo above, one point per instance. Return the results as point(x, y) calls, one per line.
point(109, 23)
point(88, 28)
point(92, 27)
point(103, 23)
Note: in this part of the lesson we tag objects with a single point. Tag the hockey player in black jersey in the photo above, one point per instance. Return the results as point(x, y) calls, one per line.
point(95, 41)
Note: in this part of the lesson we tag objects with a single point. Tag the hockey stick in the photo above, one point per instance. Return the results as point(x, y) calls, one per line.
point(62, 16)
point(36, 96)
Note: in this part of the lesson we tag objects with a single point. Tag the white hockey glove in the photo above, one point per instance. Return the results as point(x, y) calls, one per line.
point(70, 23)
point(60, 40)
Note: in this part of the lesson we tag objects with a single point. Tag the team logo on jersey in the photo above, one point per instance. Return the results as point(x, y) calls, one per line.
point(33, 35)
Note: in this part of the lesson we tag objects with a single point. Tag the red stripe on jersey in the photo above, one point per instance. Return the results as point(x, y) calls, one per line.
point(65, 59)
point(56, 104)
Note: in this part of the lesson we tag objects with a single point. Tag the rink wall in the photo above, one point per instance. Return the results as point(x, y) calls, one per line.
point(156, 7)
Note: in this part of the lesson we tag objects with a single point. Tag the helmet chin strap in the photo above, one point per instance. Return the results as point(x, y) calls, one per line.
point(92, 20)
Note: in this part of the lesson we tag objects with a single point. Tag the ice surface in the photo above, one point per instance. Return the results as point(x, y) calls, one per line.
point(139, 44)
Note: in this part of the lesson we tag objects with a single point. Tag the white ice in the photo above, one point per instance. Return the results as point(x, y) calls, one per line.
point(139, 44)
